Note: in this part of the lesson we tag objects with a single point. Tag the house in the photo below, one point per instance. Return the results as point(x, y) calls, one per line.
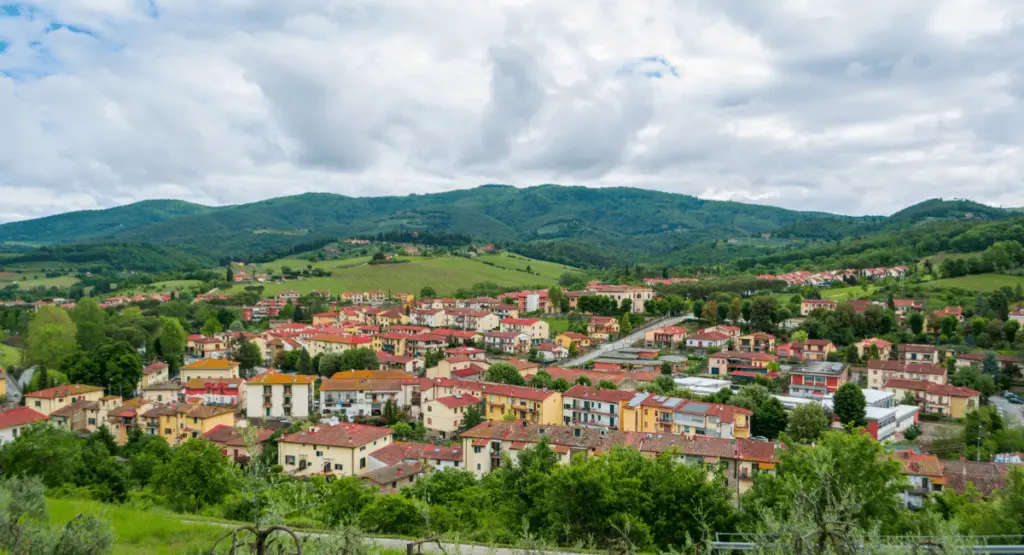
point(710, 340)
point(459, 337)
point(942, 399)
point(170, 391)
point(410, 365)
point(216, 391)
point(666, 337)
point(734, 461)
point(209, 368)
point(232, 441)
point(985, 477)
point(757, 342)
point(207, 347)
point(1017, 316)
point(471, 352)
point(121, 420)
point(155, 373)
point(551, 352)
point(47, 401)
point(338, 450)
point(433, 456)
point(85, 416)
point(924, 474)
point(725, 363)
point(568, 339)
point(538, 330)
point(904, 306)
point(807, 306)
point(395, 477)
point(391, 342)
point(505, 310)
point(364, 397)
point(817, 379)
point(419, 344)
point(954, 311)
point(881, 371)
point(733, 332)
point(179, 422)
point(3, 383)
point(13, 421)
point(443, 416)
point(446, 367)
point(322, 344)
point(326, 318)
point(1006, 362)
point(273, 394)
point(812, 349)
point(883, 347)
point(602, 327)
point(923, 354)
point(624, 381)
point(522, 402)
point(430, 317)
point(592, 407)
point(637, 296)
point(650, 413)
point(509, 342)
point(473, 319)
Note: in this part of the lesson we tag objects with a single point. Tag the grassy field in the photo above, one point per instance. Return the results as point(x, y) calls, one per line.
point(28, 280)
point(557, 325)
point(159, 287)
point(847, 293)
point(146, 532)
point(444, 274)
point(981, 282)
point(516, 262)
point(9, 356)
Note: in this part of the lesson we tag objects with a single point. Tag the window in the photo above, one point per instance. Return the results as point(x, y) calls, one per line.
point(430, 421)
point(167, 431)
point(290, 460)
point(476, 449)
point(430, 408)
point(478, 466)
point(92, 421)
point(362, 462)
point(338, 466)
point(363, 448)
point(319, 453)
point(39, 403)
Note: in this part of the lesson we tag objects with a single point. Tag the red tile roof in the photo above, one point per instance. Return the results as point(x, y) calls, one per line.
point(19, 417)
point(930, 387)
point(455, 401)
point(228, 435)
point(338, 435)
point(710, 336)
point(913, 368)
point(594, 393)
point(400, 451)
point(63, 391)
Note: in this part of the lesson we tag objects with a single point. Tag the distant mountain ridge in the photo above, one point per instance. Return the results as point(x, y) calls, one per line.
point(575, 225)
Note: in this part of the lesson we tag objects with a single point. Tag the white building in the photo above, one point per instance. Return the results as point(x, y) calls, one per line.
point(276, 395)
point(14, 420)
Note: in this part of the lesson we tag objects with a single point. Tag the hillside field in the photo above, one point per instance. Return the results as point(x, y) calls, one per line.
point(9, 356)
point(980, 282)
point(444, 274)
point(159, 287)
point(846, 293)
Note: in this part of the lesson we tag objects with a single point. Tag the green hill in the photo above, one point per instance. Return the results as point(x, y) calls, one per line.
point(573, 225)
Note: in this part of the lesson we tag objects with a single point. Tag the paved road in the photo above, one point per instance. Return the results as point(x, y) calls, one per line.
point(1013, 414)
point(633, 337)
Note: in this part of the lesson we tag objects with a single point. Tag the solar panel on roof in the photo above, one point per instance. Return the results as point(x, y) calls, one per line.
point(673, 403)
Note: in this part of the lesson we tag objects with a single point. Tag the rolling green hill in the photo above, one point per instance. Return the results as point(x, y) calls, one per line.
point(572, 225)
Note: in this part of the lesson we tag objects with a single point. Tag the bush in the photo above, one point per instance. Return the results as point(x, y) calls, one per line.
point(912, 432)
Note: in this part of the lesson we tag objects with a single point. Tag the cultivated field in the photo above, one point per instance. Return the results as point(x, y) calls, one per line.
point(159, 287)
point(981, 282)
point(847, 293)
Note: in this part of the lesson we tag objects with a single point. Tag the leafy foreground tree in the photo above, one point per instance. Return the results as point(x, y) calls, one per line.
point(850, 405)
point(807, 423)
point(503, 372)
point(25, 527)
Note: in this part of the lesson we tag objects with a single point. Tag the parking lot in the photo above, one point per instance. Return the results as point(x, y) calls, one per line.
point(1013, 414)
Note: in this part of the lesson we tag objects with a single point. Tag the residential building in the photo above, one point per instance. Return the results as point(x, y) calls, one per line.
point(1017, 316)
point(954, 311)
point(121, 420)
point(942, 399)
point(602, 327)
point(232, 442)
point(817, 379)
point(757, 342)
point(732, 332)
point(395, 477)
point(666, 337)
point(216, 391)
point(322, 344)
point(923, 354)
point(443, 416)
point(206, 347)
point(430, 317)
point(85, 416)
point(552, 352)
point(179, 422)
point(725, 363)
point(647, 412)
point(986, 478)
point(473, 319)
point(447, 368)
point(538, 330)
point(3, 383)
point(170, 391)
point(637, 296)
point(569, 338)
point(977, 359)
point(881, 371)
point(509, 342)
point(209, 368)
point(47, 401)
point(434, 456)
point(808, 306)
point(363, 397)
point(155, 373)
point(736, 461)
point(592, 407)
point(326, 318)
point(419, 344)
point(392, 343)
point(409, 365)
point(902, 307)
point(13, 421)
point(924, 474)
point(883, 347)
point(812, 349)
point(340, 450)
point(522, 402)
point(276, 395)
point(710, 340)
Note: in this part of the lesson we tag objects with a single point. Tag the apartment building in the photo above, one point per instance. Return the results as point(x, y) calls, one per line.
point(277, 395)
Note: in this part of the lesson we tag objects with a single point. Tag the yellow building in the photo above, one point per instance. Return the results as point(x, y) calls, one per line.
point(392, 343)
point(180, 422)
point(499, 400)
point(672, 415)
point(340, 450)
point(445, 415)
point(328, 343)
point(944, 399)
point(570, 338)
point(3, 383)
point(121, 420)
point(85, 415)
point(215, 368)
point(49, 400)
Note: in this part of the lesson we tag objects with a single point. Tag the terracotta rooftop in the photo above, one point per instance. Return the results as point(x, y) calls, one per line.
point(930, 387)
point(232, 437)
point(400, 451)
point(458, 400)
point(211, 364)
point(338, 435)
point(19, 417)
point(389, 474)
point(279, 378)
point(63, 391)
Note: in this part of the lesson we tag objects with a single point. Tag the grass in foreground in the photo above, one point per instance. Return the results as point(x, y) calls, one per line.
point(985, 283)
point(138, 531)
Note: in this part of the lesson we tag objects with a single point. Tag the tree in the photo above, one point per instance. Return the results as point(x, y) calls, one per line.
point(361, 358)
point(393, 514)
point(51, 337)
point(561, 384)
point(26, 526)
point(710, 311)
point(230, 275)
point(583, 380)
point(390, 413)
point(625, 325)
point(503, 372)
point(916, 322)
point(172, 343)
point(807, 422)
point(330, 363)
point(850, 406)
point(850, 354)
point(769, 418)
point(908, 398)
point(427, 292)
point(762, 312)
point(90, 322)
point(990, 365)
point(556, 297)
point(799, 336)
point(211, 326)
point(606, 384)
point(122, 368)
point(247, 355)
point(473, 417)
point(666, 368)
point(432, 358)
point(573, 350)
point(197, 475)
point(735, 309)
point(304, 365)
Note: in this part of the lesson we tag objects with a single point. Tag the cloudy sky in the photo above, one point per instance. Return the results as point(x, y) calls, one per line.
point(852, 107)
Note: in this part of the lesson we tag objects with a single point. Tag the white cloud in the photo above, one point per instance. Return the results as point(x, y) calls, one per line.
point(847, 107)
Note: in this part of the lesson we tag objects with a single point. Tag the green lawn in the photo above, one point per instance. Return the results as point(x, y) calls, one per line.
point(139, 532)
point(159, 287)
point(9, 356)
point(28, 280)
point(557, 325)
point(444, 274)
point(516, 262)
point(847, 293)
point(981, 282)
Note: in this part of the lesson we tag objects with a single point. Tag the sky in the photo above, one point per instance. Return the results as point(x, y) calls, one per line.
point(849, 107)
